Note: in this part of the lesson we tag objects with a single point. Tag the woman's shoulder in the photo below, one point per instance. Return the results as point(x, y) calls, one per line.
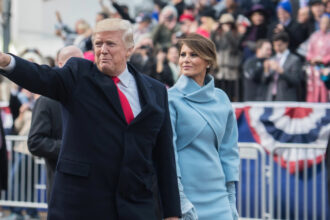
point(174, 93)
point(221, 95)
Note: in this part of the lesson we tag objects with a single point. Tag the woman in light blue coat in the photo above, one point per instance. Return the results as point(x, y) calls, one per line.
point(205, 136)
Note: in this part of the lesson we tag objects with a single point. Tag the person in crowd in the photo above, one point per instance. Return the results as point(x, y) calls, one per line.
point(80, 36)
point(303, 15)
point(296, 5)
point(5, 86)
point(269, 7)
point(257, 30)
point(191, 9)
point(122, 11)
point(303, 18)
point(318, 55)
point(3, 163)
point(3, 159)
point(328, 164)
point(187, 24)
point(172, 61)
point(327, 7)
point(45, 135)
point(283, 73)
point(317, 9)
point(229, 56)
point(288, 24)
point(253, 71)
point(117, 131)
point(63, 31)
point(232, 7)
point(21, 163)
point(158, 7)
point(206, 22)
point(83, 38)
point(205, 135)
point(100, 16)
point(167, 69)
point(142, 26)
point(325, 76)
point(179, 6)
point(218, 6)
point(166, 28)
point(144, 56)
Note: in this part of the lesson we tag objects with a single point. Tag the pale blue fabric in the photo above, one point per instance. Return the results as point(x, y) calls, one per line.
point(205, 141)
point(232, 199)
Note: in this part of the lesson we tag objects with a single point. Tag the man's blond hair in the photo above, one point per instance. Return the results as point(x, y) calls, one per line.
point(116, 24)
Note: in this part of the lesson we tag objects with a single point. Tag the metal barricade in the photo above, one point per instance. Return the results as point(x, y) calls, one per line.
point(259, 191)
point(298, 191)
point(251, 191)
point(26, 178)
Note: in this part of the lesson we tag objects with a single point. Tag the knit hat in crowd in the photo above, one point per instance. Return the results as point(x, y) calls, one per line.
point(186, 16)
point(285, 5)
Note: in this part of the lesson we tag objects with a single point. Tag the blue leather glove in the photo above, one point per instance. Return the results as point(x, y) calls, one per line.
point(232, 198)
point(187, 208)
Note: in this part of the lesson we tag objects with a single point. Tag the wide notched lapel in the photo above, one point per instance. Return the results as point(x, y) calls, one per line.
point(109, 89)
point(146, 95)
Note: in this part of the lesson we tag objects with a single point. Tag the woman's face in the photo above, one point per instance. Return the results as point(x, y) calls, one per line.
point(257, 18)
point(324, 24)
point(191, 64)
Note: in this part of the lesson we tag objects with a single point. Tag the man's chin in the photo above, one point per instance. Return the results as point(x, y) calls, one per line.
point(104, 69)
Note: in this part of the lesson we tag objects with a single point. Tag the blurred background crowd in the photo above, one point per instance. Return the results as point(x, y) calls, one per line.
point(268, 50)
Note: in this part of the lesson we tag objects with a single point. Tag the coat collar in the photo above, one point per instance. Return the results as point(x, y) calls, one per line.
point(195, 93)
point(109, 89)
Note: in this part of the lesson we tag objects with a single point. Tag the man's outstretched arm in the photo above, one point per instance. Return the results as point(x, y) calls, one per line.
point(55, 83)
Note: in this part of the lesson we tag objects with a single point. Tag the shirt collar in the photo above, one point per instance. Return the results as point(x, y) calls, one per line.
point(284, 54)
point(287, 22)
point(125, 78)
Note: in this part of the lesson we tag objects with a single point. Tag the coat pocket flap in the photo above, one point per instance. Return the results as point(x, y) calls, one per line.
point(73, 168)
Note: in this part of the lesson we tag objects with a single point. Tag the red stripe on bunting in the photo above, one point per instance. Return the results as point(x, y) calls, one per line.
point(297, 112)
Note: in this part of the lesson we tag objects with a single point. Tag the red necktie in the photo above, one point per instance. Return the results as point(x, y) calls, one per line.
point(124, 102)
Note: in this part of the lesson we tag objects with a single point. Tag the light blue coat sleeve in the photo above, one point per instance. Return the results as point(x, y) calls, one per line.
point(228, 149)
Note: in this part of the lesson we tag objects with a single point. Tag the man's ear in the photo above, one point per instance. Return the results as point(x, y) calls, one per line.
point(59, 64)
point(129, 52)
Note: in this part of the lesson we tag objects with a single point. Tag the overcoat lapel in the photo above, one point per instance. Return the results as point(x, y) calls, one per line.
point(109, 89)
point(202, 101)
point(146, 95)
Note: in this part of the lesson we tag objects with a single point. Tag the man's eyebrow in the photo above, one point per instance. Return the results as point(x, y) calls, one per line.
point(110, 41)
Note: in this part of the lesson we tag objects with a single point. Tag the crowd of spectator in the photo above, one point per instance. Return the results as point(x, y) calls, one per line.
point(250, 65)
point(238, 28)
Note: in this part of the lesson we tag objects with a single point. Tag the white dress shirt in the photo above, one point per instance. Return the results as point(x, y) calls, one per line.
point(127, 85)
point(282, 57)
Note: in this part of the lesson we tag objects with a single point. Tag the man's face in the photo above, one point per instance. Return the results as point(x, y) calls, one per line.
point(266, 50)
point(324, 24)
point(317, 10)
point(257, 18)
point(283, 15)
point(280, 46)
point(303, 14)
point(185, 26)
point(111, 53)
